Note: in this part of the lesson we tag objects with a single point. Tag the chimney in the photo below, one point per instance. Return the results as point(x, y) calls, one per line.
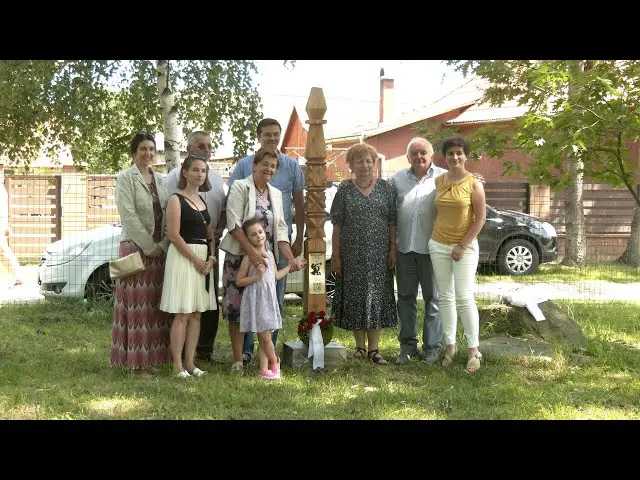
point(386, 97)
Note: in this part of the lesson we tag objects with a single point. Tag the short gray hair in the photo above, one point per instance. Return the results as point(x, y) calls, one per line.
point(193, 136)
point(421, 140)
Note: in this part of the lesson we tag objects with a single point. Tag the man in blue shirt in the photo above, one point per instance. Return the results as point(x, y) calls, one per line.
point(289, 179)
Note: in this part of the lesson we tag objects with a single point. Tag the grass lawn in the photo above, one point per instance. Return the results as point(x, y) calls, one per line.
point(54, 364)
point(607, 271)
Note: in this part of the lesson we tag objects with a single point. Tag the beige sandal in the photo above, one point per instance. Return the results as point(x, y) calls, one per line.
point(473, 365)
point(237, 367)
point(446, 361)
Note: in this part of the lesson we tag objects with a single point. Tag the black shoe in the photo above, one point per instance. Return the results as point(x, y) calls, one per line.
point(204, 357)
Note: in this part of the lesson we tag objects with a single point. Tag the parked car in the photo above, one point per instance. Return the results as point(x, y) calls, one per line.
point(78, 265)
point(516, 242)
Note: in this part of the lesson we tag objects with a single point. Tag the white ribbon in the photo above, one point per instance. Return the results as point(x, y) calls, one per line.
point(528, 298)
point(316, 346)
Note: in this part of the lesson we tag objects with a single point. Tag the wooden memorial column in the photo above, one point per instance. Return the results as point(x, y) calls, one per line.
point(315, 244)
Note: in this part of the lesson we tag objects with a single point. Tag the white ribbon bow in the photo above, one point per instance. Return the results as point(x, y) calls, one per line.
point(316, 346)
point(528, 298)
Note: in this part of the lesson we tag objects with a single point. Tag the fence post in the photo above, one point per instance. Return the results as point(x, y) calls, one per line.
point(8, 184)
point(58, 189)
point(539, 199)
point(74, 202)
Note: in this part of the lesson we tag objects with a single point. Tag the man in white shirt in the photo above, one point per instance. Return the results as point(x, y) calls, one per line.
point(416, 192)
point(199, 142)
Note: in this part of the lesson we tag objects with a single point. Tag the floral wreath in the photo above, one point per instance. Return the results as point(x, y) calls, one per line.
point(306, 324)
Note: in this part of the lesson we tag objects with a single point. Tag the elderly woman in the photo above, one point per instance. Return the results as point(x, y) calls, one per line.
point(140, 333)
point(363, 214)
point(461, 213)
point(249, 198)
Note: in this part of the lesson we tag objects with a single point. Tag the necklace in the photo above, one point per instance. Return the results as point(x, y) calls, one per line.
point(260, 192)
point(361, 187)
point(194, 201)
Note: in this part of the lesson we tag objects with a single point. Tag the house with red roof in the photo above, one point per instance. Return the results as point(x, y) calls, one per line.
point(389, 131)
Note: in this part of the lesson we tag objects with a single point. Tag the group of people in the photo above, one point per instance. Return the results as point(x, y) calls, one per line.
point(176, 224)
point(157, 311)
point(422, 224)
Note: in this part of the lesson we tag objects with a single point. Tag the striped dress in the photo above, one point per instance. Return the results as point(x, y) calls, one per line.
point(140, 333)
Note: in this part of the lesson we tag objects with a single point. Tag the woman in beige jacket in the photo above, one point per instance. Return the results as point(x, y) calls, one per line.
point(249, 198)
point(140, 334)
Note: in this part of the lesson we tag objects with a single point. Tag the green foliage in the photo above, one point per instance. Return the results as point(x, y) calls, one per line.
point(491, 140)
point(95, 107)
point(216, 92)
point(577, 109)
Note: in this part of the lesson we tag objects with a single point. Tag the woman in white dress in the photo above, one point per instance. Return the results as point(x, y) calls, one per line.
point(188, 287)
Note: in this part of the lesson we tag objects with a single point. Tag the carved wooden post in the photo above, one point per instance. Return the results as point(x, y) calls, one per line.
point(315, 244)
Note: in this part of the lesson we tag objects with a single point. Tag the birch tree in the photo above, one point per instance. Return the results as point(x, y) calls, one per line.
point(94, 107)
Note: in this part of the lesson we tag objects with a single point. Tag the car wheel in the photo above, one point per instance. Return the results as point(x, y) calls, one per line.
point(329, 282)
point(100, 285)
point(518, 257)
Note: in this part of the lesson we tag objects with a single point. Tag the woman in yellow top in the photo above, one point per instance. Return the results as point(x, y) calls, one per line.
point(461, 213)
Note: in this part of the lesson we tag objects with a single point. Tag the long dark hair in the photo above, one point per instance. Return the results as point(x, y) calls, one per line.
point(186, 165)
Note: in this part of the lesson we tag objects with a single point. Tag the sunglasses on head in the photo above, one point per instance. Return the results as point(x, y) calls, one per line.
point(145, 134)
point(196, 156)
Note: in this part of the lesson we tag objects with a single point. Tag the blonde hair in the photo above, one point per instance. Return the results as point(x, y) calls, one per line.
point(361, 149)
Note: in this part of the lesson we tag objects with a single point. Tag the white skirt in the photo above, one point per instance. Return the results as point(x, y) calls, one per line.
point(183, 289)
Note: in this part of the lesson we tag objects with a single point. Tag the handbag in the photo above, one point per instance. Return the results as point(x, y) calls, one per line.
point(126, 266)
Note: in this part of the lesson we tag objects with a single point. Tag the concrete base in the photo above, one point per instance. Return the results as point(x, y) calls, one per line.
point(294, 355)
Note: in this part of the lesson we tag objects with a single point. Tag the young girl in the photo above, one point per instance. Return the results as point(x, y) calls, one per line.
point(188, 287)
point(259, 310)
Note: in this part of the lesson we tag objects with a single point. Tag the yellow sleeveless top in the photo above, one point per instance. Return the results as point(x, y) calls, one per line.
point(455, 212)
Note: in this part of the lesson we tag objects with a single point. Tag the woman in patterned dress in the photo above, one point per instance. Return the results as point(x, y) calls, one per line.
point(140, 332)
point(249, 198)
point(363, 214)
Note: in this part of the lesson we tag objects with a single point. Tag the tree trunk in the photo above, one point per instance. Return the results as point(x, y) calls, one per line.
point(631, 255)
point(169, 115)
point(575, 245)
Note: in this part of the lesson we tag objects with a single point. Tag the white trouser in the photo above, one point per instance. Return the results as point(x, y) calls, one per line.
point(456, 284)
